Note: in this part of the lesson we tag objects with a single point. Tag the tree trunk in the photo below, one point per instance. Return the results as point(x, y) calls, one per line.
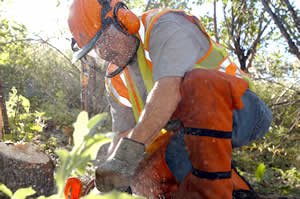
point(3, 109)
point(92, 87)
point(1, 125)
point(23, 165)
point(84, 86)
point(96, 85)
point(293, 48)
point(215, 21)
point(147, 6)
point(294, 14)
point(101, 91)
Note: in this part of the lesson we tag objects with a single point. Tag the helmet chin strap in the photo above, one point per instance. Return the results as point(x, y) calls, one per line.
point(121, 27)
point(121, 68)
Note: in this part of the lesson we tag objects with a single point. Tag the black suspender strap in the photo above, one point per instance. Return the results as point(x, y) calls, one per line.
point(208, 132)
point(211, 175)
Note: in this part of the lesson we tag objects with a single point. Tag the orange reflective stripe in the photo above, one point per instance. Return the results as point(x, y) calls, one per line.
point(231, 69)
point(208, 52)
point(148, 29)
point(145, 15)
point(149, 64)
point(114, 93)
point(118, 84)
point(222, 65)
point(189, 17)
point(133, 90)
point(117, 88)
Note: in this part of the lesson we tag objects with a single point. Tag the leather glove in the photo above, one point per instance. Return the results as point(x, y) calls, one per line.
point(117, 171)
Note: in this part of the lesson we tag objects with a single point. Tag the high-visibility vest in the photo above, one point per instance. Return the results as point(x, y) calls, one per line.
point(123, 89)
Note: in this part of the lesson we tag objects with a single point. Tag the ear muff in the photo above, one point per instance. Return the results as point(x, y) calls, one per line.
point(127, 20)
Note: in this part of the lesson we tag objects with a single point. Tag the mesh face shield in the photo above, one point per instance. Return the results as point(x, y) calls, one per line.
point(115, 41)
point(118, 47)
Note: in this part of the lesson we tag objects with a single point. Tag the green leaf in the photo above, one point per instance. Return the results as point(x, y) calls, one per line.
point(81, 128)
point(62, 153)
point(260, 171)
point(57, 3)
point(23, 193)
point(113, 195)
point(25, 103)
point(5, 190)
point(97, 119)
point(94, 144)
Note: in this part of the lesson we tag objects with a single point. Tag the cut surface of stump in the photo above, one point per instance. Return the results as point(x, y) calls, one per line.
point(24, 165)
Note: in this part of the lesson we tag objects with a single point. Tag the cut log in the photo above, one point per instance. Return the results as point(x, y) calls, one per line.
point(24, 165)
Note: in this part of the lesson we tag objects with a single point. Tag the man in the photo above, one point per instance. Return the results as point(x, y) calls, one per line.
point(165, 102)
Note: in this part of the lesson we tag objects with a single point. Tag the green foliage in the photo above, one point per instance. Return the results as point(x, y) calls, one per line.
point(10, 47)
point(23, 123)
point(280, 148)
point(53, 86)
point(19, 194)
point(14, 58)
point(85, 149)
point(260, 171)
point(112, 195)
point(5, 190)
point(74, 162)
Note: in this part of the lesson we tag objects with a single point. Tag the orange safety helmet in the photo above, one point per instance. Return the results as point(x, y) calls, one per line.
point(89, 18)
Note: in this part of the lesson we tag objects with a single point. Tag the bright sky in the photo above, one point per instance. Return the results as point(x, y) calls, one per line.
point(46, 19)
point(42, 17)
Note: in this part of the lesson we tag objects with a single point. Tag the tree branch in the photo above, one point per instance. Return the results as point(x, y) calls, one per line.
point(61, 53)
point(294, 14)
point(284, 92)
point(148, 5)
point(253, 47)
point(215, 21)
point(286, 103)
point(293, 48)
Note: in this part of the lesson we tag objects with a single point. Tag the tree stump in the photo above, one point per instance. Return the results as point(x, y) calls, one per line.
point(23, 165)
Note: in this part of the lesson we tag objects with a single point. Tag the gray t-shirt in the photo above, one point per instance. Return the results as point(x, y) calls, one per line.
point(175, 45)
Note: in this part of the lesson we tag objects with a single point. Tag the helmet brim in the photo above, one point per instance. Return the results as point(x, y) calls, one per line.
point(86, 48)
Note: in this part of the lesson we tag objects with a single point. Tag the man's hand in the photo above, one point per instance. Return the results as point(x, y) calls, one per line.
point(161, 103)
point(117, 170)
point(106, 180)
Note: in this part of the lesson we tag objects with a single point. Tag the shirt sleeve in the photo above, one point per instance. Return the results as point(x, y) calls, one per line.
point(122, 117)
point(175, 45)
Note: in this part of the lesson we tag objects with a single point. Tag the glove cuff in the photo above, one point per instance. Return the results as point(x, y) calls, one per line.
point(126, 157)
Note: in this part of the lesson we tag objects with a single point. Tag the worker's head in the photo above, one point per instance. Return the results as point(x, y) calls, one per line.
point(106, 26)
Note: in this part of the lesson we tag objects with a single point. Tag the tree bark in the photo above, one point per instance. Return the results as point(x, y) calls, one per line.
point(3, 110)
point(148, 5)
point(293, 48)
point(23, 165)
point(215, 21)
point(1, 125)
point(96, 85)
point(101, 90)
point(84, 85)
point(294, 14)
point(92, 86)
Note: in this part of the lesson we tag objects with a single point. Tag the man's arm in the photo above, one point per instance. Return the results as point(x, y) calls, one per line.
point(160, 105)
